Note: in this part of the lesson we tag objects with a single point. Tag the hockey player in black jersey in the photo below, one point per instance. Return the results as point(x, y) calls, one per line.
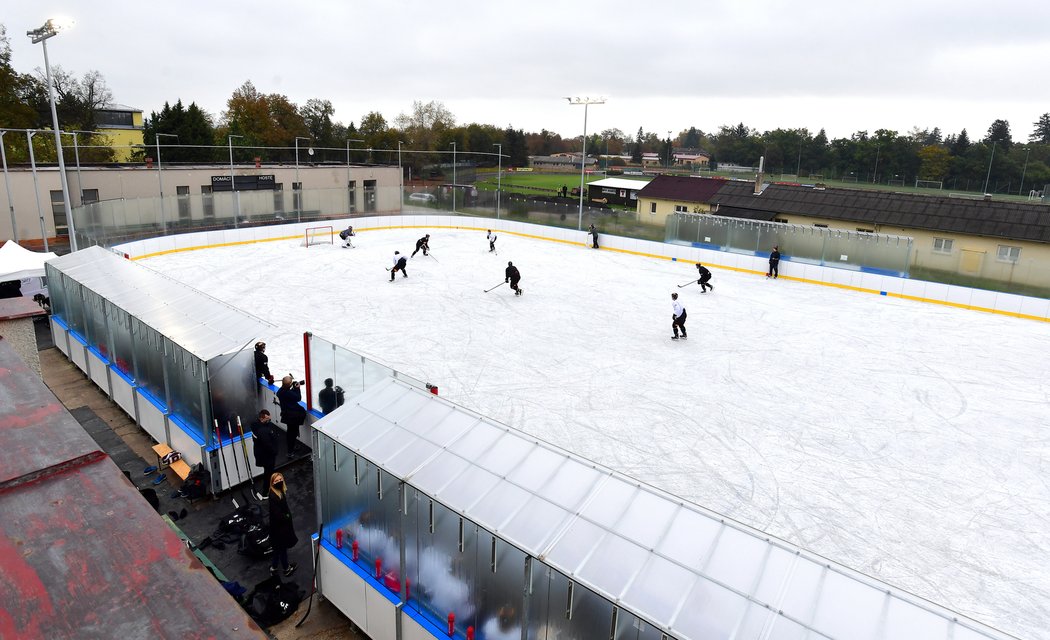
point(345, 236)
point(705, 277)
point(422, 244)
point(514, 277)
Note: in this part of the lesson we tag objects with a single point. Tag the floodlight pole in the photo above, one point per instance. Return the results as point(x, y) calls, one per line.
point(586, 102)
point(7, 183)
point(1025, 169)
point(875, 175)
point(233, 190)
point(49, 30)
point(499, 177)
point(988, 176)
point(160, 182)
point(36, 188)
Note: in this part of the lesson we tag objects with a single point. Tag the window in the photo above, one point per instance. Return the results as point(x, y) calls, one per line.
point(351, 189)
point(781, 220)
point(87, 196)
point(370, 195)
point(183, 194)
point(681, 208)
point(609, 191)
point(863, 230)
point(821, 226)
point(1007, 253)
point(942, 245)
point(652, 207)
point(207, 200)
point(115, 118)
point(58, 210)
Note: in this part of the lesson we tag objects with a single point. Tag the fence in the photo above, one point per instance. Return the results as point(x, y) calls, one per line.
point(871, 252)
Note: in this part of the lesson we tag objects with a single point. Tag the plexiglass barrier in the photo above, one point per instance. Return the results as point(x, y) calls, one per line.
point(875, 252)
point(350, 372)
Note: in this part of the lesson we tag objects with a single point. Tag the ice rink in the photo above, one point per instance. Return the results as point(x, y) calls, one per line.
point(903, 439)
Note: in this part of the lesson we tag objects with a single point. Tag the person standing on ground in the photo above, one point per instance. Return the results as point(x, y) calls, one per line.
point(262, 366)
point(282, 530)
point(774, 263)
point(330, 397)
point(345, 235)
point(400, 262)
point(424, 244)
point(265, 442)
point(292, 413)
point(513, 276)
point(491, 237)
point(594, 237)
point(678, 316)
point(705, 277)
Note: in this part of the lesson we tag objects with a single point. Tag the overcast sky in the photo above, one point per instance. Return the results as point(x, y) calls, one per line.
point(842, 65)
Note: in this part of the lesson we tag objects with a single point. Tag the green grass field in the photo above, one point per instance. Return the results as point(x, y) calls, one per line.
point(535, 183)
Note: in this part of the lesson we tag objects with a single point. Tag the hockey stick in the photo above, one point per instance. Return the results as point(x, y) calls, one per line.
point(431, 254)
point(496, 287)
point(226, 469)
point(317, 554)
point(247, 466)
point(687, 284)
point(236, 464)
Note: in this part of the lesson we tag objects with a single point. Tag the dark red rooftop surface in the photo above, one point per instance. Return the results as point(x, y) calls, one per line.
point(82, 555)
point(682, 188)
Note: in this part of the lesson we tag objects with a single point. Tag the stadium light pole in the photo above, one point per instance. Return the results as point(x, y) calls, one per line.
point(49, 30)
point(875, 175)
point(453, 176)
point(7, 183)
point(988, 176)
point(233, 190)
point(586, 102)
point(160, 181)
point(499, 176)
point(1025, 169)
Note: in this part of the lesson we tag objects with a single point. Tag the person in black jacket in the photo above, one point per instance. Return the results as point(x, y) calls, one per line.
point(594, 236)
point(265, 438)
point(774, 263)
point(705, 277)
point(262, 366)
point(422, 244)
point(400, 262)
point(292, 413)
point(330, 397)
point(282, 530)
point(513, 276)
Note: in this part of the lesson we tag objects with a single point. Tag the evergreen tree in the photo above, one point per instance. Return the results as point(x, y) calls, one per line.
point(1041, 134)
point(999, 132)
point(636, 153)
point(961, 144)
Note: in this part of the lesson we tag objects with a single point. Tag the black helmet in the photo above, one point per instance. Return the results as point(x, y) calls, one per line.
point(509, 263)
point(260, 345)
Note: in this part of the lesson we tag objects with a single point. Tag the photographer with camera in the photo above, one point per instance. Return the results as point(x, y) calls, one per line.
point(292, 413)
point(329, 398)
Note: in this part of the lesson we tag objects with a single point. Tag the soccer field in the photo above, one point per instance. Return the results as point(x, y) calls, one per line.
point(905, 440)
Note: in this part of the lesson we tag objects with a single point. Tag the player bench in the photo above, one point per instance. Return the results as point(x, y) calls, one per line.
point(180, 467)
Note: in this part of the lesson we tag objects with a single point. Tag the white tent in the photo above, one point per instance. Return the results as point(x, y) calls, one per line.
point(17, 263)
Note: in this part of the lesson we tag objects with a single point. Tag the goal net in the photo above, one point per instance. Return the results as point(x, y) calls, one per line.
point(318, 235)
point(929, 184)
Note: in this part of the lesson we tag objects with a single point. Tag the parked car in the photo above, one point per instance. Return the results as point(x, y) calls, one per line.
point(422, 197)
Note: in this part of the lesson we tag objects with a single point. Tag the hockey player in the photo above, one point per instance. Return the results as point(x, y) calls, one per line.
point(345, 236)
point(491, 237)
point(774, 263)
point(514, 277)
point(678, 316)
point(424, 244)
point(594, 236)
point(400, 262)
point(705, 277)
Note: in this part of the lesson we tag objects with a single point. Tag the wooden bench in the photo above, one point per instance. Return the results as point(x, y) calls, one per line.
point(180, 467)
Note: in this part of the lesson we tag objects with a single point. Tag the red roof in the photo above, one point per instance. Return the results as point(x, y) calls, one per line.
point(682, 188)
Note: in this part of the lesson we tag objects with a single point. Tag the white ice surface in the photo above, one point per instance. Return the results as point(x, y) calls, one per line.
point(903, 439)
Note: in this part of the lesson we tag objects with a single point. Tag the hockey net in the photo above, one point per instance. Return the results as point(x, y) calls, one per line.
point(318, 235)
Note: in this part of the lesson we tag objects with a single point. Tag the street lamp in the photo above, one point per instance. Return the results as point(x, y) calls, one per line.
point(453, 176)
point(49, 30)
point(160, 181)
point(586, 102)
point(233, 190)
point(7, 183)
point(1025, 169)
point(499, 176)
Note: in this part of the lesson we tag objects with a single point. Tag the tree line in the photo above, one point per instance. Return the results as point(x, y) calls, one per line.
point(269, 126)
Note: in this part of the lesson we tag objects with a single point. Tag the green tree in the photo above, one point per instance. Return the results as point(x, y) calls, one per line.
point(14, 111)
point(934, 162)
point(317, 114)
point(961, 143)
point(422, 127)
point(1041, 132)
point(192, 126)
point(514, 146)
point(999, 132)
point(636, 152)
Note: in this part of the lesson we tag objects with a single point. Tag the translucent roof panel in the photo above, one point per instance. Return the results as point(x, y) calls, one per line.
point(200, 324)
point(686, 570)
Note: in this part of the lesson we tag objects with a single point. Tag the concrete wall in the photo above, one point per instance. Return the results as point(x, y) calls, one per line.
point(139, 182)
point(665, 208)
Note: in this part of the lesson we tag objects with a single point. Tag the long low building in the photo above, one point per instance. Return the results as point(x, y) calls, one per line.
point(621, 191)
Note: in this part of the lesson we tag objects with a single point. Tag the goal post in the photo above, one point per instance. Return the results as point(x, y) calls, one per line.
point(929, 184)
point(318, 235)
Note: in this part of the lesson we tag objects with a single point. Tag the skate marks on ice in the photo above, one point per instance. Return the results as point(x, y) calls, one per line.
point(902, 439)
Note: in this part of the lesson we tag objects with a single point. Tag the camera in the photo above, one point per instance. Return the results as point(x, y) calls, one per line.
point(298, 383)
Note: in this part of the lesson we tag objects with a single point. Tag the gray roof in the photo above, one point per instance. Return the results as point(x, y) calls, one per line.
point(1009, 220)
point(200, 324)
point(688, 570)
